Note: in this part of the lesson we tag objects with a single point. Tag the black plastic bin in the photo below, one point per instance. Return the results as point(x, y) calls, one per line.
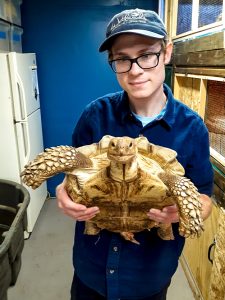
point(14, 199)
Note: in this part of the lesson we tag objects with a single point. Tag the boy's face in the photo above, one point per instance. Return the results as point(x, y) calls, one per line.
point(141, 84)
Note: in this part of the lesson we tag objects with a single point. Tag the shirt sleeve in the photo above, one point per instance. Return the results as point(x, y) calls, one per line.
point(199, 168)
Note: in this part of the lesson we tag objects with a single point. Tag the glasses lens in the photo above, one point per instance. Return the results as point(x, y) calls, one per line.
point(121, 65)
point(148, 61)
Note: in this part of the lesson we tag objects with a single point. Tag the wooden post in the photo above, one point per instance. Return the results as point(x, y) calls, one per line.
point(217, 282)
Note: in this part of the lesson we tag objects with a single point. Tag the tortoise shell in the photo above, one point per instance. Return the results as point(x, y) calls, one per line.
point(125, 178)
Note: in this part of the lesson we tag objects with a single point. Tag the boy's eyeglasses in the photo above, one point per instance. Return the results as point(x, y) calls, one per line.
point(145, 61)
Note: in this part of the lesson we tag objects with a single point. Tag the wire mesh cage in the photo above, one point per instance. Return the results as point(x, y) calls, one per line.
point(210, 11)
point(206, 12)
point(215, 115)
point(184, 16)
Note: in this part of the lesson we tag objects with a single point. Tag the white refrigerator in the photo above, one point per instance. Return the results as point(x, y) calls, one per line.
point(20, 123)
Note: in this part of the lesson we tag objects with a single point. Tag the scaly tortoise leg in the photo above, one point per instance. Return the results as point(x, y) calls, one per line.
point(53, 161)
point(187, 200)
point(91, 228)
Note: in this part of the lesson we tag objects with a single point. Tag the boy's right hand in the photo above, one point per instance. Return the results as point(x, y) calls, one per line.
point(74, 210)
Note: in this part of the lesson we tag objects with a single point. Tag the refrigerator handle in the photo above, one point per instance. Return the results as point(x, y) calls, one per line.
point(23, 122)
point(23, 141)
point(21, 96)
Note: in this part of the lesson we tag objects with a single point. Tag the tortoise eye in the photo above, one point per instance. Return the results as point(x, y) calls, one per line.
point(113, 144)
point(130, 145)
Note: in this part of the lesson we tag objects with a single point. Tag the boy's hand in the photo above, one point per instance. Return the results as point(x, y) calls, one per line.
point(168, 214)
point(74, 210)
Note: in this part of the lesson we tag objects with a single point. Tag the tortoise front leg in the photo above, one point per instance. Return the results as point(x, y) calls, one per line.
point(165, 231)
point(53, 161)
point(187, 199)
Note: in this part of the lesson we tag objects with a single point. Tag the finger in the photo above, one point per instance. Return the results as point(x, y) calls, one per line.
point(163, 217)
point(87, 217)
point(92, 210)
point(82, 215)
point(88, 212)
point(171, 208)
point(157, 216)
point(68, 204)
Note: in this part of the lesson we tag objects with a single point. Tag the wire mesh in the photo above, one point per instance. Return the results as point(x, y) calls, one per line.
point(215, 115)
point(210, 11)
point(184, 16)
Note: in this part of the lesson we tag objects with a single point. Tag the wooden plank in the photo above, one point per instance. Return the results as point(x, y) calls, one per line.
point(188, 90)
point(218, 165)
point(219, 195)
point(174, 18)
point(217, 286)
point(204, 58)
point(168, 17)
point(203, 43)
point(184, 90)
point(218, 157)
point(220, 72)
point(219, 179)
point(195, 96)
point(203, 95)
point(198, 263)
point(190, 278)
point(176, 87)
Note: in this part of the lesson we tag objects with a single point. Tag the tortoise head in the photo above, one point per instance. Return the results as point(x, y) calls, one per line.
point(122, 149)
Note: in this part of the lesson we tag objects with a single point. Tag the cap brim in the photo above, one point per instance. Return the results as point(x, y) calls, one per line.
point(107, 42)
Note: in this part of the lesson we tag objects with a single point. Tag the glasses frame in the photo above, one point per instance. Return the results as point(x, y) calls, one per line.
point(135, 60)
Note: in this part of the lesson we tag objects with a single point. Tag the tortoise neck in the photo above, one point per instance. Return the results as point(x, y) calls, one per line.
point(123, 172)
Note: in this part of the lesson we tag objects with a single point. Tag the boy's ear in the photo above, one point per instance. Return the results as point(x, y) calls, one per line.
point(168, 53)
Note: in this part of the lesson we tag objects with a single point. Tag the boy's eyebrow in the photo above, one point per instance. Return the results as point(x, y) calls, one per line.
point(143, 50)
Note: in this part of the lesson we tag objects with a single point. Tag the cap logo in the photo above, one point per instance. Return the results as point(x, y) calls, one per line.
point(131, 17)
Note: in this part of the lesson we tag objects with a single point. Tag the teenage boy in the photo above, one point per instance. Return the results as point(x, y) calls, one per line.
point(107, 266)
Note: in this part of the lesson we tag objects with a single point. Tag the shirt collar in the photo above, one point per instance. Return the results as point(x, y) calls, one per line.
point(124, 112)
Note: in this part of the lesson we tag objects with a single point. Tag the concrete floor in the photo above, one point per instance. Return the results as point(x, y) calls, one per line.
point(46, 270)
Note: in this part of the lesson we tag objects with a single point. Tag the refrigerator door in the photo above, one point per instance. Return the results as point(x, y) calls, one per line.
point(20, 131)
point(29, 140)
point(9, 163)
point(25, 91)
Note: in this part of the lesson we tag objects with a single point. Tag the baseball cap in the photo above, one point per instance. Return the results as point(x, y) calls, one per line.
point(139, 21)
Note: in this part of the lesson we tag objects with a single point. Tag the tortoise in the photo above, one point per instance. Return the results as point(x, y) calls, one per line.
point(124, 177)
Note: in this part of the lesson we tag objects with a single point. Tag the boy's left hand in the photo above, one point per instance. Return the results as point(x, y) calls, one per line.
point(168, 214)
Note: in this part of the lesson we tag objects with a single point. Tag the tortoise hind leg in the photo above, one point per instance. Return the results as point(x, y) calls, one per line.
point(91, 228)
point(187, 200)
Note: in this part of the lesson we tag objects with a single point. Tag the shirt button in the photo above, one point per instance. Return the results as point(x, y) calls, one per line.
point(115, 249)
point(111, 271)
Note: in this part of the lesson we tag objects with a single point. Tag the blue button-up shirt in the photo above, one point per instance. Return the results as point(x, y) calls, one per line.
point(106, 262)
